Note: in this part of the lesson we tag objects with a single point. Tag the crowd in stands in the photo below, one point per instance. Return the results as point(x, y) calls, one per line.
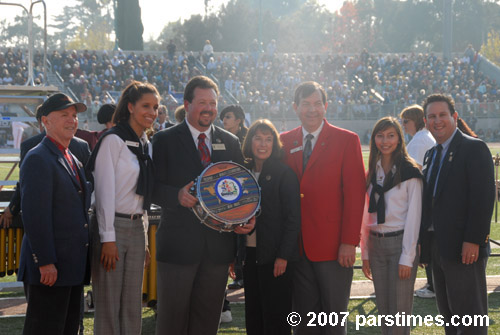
point(359, 86)
point(364, 86)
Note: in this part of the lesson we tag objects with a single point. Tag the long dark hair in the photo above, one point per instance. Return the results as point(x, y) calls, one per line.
point(265, 126)
point(399, 156)
point(464, 127)
point(132, 93)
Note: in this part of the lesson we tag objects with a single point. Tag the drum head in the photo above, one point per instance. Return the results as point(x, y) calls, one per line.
point(228, 193)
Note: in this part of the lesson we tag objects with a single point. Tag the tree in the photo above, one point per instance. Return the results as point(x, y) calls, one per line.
point(172, 31)
point(129, 26)
point(491, 49)
point(81, 25)
point(347, 34)
point(305, 30)
point(277, 8)
point(16, 33)
point(238, 26)
point(197, 30)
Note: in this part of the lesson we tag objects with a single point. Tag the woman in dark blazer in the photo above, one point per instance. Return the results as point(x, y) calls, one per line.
point(272, 247)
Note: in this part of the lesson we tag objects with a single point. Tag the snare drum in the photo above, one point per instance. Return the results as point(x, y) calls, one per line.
point(228, 195)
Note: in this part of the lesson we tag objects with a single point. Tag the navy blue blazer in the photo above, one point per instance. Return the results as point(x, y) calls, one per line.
point(464, 199)
point(78, 147)
point(55, 216)
point(181, 238)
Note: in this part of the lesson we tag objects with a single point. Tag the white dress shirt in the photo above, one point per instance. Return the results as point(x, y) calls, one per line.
point(195, 133)
point(115, 175)
point(403, 209)
point(419, 144)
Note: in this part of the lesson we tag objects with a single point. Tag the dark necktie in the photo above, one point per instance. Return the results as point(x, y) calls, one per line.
point(434, 172)
point(203, 149)
point(307, 151)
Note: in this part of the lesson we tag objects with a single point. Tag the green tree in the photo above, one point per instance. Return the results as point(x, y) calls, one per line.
point(79, 25)
point(129, 26)
point(238, 25)
point(16, 33)
point(491, 49)
point(306, 30)
point(277, 8)
point(172, 31)
point(197, 30)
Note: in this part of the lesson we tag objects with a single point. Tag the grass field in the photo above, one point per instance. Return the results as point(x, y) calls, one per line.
point(357, 307)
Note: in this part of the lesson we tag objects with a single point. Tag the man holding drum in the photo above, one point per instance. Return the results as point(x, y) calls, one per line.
point(193, 260)
point(328, 163)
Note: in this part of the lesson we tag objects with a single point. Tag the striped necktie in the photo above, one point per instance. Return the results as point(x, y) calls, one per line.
point(203, 149)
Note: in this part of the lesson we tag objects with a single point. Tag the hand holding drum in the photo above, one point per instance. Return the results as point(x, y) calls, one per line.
point(186, 197)
point(225, 197)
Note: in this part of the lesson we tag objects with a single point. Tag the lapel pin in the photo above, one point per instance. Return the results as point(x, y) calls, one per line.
point(295, 142)
point(218, 140)
point(451, 157)
point(268, 177)
point(322, 143)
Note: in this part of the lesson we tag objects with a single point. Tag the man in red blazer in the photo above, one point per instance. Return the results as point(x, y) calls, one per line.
point(330, 168)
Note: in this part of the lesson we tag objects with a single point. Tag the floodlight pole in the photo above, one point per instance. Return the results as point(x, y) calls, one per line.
point(30, 81)
point(115, 6)
point(447, 28)
point(260, 27)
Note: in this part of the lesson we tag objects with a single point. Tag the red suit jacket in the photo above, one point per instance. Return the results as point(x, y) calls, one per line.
point(332, 190)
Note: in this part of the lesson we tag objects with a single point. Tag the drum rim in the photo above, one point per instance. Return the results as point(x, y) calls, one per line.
point(205, 208)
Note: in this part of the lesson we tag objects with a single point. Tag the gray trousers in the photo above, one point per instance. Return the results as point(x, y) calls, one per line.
point(393, 295)
point(321, 287)
point(460, 290)
point(118, 293)
point(190, 297)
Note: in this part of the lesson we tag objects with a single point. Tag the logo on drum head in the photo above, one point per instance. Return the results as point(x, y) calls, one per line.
point(228, 189)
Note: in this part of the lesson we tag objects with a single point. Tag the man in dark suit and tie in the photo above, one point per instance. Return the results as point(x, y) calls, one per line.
point(457, 207)
point(193, 260)
point(55, 198)
point(163, 119)
point(77, 146)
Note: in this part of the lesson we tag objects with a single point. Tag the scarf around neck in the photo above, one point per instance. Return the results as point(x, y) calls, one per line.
point(145, 181)
point(408, 171)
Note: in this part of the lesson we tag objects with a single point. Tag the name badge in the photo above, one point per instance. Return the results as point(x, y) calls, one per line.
point(295, 149)
point(218, 146)
point(132, 144)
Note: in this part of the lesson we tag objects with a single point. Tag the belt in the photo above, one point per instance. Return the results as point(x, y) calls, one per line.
point(390, 234)
point(129, 216)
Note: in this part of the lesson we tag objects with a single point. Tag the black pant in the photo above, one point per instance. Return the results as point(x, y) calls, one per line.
point(460, 291)
point(53, 310)
point(268, 300)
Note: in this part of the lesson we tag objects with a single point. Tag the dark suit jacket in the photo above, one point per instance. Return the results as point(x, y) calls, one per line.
point(181, 238)
point(464, 199)
point(55, 216)
point(278, 225)
point(77, 146)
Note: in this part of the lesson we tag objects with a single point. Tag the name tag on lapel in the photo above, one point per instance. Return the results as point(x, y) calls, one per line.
point(132, 144)
point(218, 146)
point(294, 150)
